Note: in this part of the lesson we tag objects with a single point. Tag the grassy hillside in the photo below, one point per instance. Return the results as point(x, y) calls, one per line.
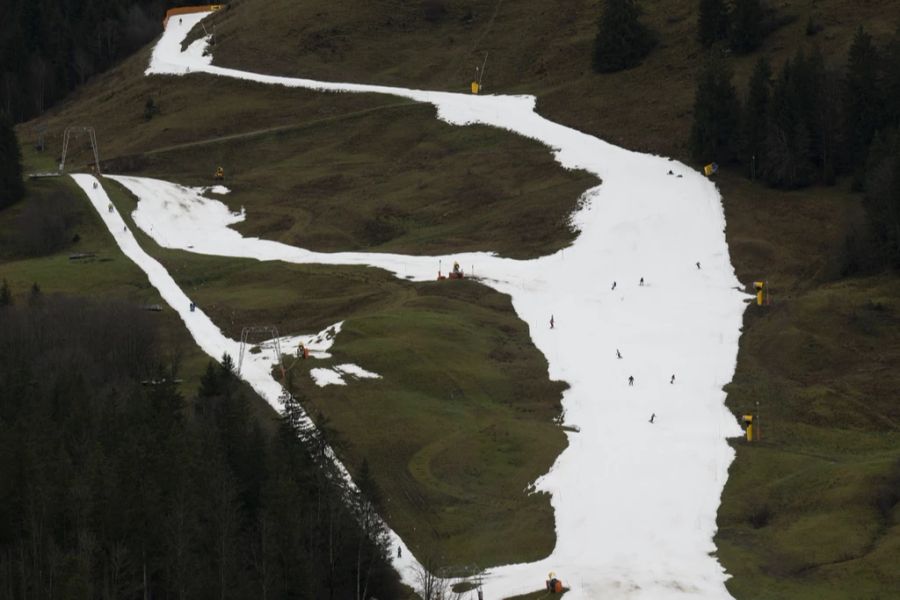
point(809, 512)
point(329, 171)
point(462, 420)
point(341, 172)
point(533, 47)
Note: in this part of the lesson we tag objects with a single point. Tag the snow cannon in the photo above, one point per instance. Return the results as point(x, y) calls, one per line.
point(747, 423)
point(762, 292)
point(554, 585)
point(457, 272)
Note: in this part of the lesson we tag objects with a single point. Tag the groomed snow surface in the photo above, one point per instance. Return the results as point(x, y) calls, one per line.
point(635, 502)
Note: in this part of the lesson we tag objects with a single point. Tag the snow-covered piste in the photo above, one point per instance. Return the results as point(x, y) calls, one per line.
point(635, 502)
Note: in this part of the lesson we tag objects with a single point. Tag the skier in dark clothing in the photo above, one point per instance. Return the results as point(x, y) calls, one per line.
point(631, 380)
point(642, 281)
point(551, 321)
point(652, 417)
point(399, 551)
point(618, 354)
point(613, 285)
point(698, 266)
point(673, 379)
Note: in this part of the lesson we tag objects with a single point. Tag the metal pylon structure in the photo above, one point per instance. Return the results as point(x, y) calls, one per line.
point(77, 130)
point(263, 335)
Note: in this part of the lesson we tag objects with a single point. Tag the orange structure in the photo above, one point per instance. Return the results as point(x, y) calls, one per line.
point(186, 10)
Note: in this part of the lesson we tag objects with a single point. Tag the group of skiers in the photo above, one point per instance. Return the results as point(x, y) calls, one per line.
point(618, 353)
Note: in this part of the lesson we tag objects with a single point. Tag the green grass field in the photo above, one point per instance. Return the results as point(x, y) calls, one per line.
point(462, 420)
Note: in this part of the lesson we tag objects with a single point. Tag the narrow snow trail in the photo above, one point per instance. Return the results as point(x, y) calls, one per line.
point(635, 502)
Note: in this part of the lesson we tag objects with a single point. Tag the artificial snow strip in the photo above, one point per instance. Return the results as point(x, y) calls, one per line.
point(635, 501)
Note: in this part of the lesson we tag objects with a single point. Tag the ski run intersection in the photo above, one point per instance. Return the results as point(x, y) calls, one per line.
point(635, 502)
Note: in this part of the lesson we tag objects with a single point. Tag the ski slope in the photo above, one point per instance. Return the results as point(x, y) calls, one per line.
point(635, 502)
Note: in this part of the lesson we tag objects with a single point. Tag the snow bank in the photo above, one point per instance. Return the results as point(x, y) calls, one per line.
point(324, 377)
point(356, 371)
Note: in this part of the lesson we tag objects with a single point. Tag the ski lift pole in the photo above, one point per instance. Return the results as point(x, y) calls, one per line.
point(483, 66)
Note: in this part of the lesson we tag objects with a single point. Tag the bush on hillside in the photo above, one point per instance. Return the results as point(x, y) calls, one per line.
point(622, 40)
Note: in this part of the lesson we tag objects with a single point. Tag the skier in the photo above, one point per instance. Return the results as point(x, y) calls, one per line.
point(95, 185)
point(653, 416)
point(631, 380)
point(618, 354)
point(551, 321)
point(399, 551)
point(613, 285)
point(698, 265)
point(642, 281)
point(673, 379)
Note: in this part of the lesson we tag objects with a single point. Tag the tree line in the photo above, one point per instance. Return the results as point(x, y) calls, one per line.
point(809, 123)
point(49, 47)
point(113, 485)
point(623, 41)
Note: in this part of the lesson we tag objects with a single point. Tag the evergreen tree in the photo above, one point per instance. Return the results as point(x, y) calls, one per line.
point(35, 296)
point(622, 40)
point(746, 26)
point(822, 108)
point(754, 123)
point(891, 68)
point(11, 188)
point(788, 160)
point(5, 294)
point(372, 548)
point(882, 199)
point(716, 110)
point(712, 22)
point(862, 106)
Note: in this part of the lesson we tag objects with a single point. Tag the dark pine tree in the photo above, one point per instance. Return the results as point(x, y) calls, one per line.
point(822, 107)
point(891, 84)
point(746, 26)
point(754, 122)
point(788, 161)
point(862, 106)
point(882, 199)
point(622, 40)
point(716, 110)
point(712, 22)
point(5, 294)
point(11, 188)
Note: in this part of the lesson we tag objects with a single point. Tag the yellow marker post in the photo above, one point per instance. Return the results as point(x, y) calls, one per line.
point(760, 287)
point(748, 425)
point(475, 87)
